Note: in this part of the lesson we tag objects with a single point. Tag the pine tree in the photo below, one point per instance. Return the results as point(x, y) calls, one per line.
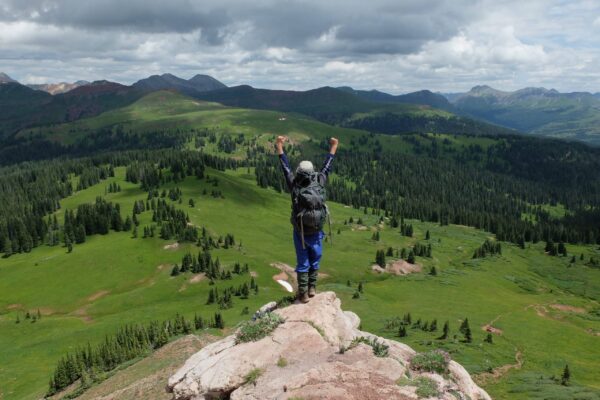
point(562, 249)
point(380, 258)
point(175, 270)
point(468, 336)
point(433, 326)
point(411, 257)
point(489, 339)
point(402, 331)
point(211, 297)
point(245, 292)
point(219, 323)
point(566, 376)
point(433, 271)
point(445, 331)
point(427, 236)
point(464, 326)
point(360, 287)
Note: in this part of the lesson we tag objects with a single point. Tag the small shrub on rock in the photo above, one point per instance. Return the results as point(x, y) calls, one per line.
point(282, 362)
point(253, 376)
point(251, 331)
point(431, 361)
point(426, 387)
point(380, 349)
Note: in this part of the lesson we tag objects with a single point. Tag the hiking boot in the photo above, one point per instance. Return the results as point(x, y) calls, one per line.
point(303, 297)
point(312, 282)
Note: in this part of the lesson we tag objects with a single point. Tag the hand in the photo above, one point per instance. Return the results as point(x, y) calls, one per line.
point(333, 144)
point(279, 143)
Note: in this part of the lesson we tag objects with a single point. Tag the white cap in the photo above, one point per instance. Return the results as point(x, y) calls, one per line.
point(305, 166)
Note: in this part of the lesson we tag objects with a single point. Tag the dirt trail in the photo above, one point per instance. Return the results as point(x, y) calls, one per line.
point(499, 372)
point(98, 295)
point(287, 273)
point(398, 267)
point(540, 310)
point(566, 308)
point(489, 327)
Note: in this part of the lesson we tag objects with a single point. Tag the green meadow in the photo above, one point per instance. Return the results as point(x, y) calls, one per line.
point(544, 309)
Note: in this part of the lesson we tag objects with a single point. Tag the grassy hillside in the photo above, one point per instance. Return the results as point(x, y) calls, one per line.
point(534, 301)
point(24, 107)
point(170, 111)
point(115, 278)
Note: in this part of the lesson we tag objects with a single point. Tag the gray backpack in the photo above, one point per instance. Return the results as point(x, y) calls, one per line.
point(308, 198)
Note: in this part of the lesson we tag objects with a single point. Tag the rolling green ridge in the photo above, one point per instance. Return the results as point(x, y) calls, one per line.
point(24, 107)
point(545, 308)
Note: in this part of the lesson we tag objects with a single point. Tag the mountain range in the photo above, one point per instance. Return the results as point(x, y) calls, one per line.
point(535, 110)
point(58, 88)
point(192, 86)
point(483, 109)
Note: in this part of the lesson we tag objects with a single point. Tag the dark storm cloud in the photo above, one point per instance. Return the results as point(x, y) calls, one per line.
point(392, 45)
point(362, 27)
point(134, 15)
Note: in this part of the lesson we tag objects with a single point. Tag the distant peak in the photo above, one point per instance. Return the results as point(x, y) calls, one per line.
point(5, 78)
point(200, 76)
point(424, 91)
point(483, 88)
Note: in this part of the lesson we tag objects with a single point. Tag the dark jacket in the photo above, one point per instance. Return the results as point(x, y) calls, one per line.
point(291, 182)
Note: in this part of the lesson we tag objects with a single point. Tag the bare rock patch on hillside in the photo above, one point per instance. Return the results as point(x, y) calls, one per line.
point(397, 267)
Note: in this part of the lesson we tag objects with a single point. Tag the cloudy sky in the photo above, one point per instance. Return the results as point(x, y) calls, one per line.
point(392, 45)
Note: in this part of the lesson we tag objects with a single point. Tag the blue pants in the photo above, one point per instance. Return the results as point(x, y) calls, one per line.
point(308, 258)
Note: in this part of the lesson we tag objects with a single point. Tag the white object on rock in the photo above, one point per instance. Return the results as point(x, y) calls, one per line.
point(286, 285)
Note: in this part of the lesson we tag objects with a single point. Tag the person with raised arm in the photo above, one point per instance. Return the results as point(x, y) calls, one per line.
point(309, 213)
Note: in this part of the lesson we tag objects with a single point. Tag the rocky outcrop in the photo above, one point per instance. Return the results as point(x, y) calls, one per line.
point(315, 354)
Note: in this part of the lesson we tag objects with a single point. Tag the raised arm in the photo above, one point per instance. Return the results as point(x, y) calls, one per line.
point(333, 144)
point(283, 161)
point(326, 168)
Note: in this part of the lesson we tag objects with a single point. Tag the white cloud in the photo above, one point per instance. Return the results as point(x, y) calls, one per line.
point(394, 46)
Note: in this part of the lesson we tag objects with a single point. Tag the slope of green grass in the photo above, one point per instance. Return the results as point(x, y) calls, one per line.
point(115, 279)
